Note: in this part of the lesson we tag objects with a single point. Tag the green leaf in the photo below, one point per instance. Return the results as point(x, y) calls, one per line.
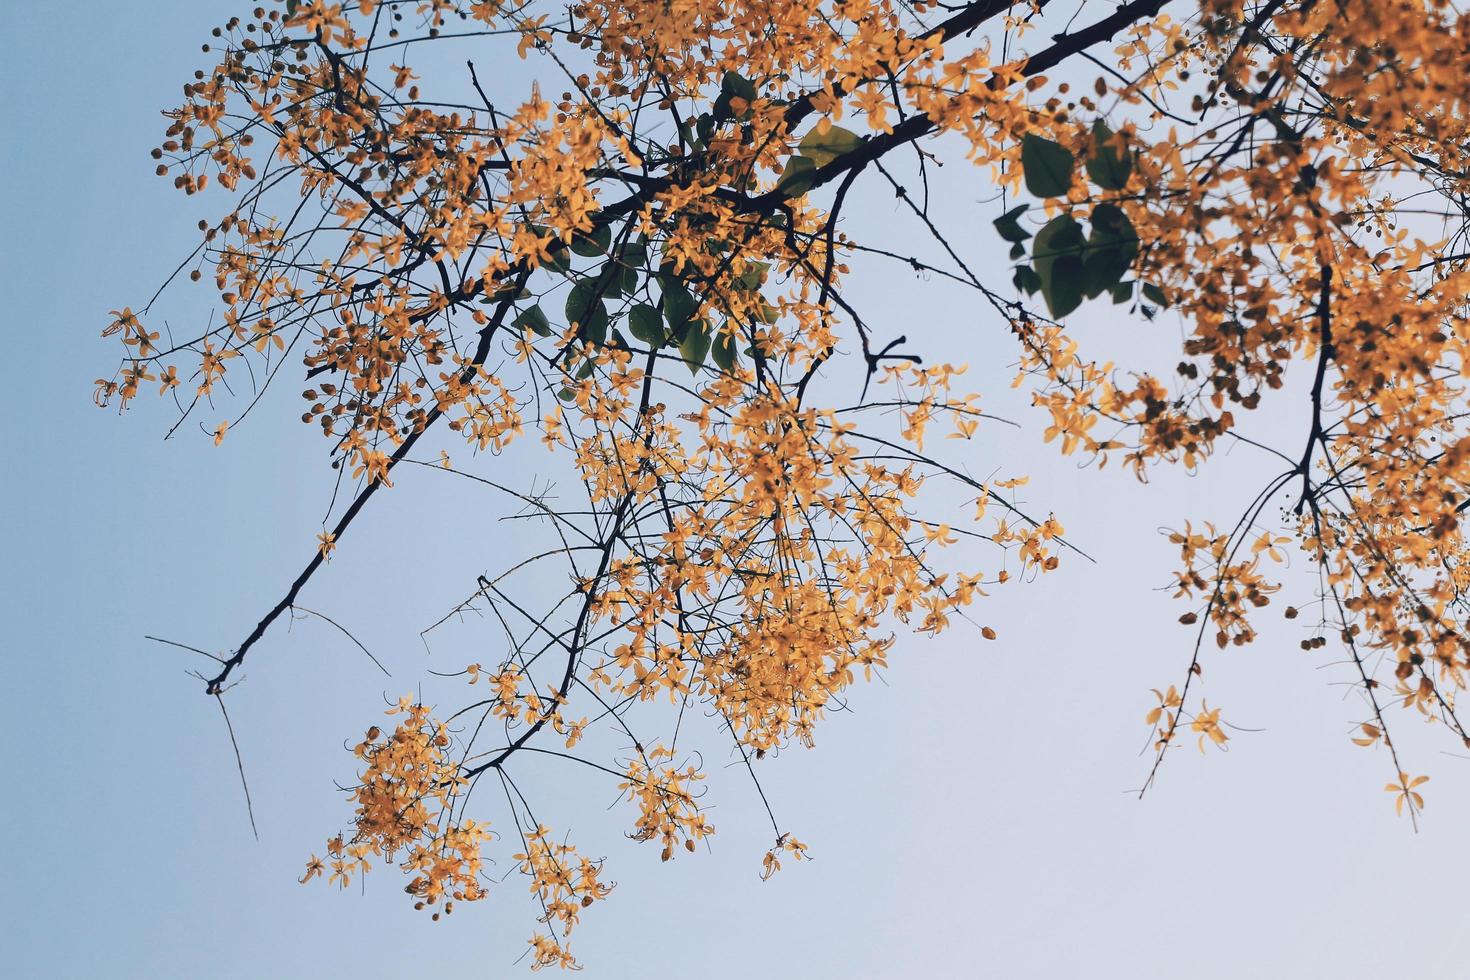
point(705, 126)
point(822, 148)
point(561, 258)
point(1057, 253)
point(695, 345)
point(753, 275)
point(594, 331)
point(1111, 248)
point(560, 261)
point(733, 85)
point(679, 305)
point(797, 178)
point(1060, 239)
point(592, 244)
point(1109, 165)
point(535, 318)
point(723, 350)
point(586, 309)
point(1008, 227)
point(610, 279)
point(1027, 279)
point(1111, 225)
point(647, 324)
point(1063, 295)
point(1122, 292)
point(504, 293)
point(1154, 294)
point(634, 254)
point(627, 280)
point(1017, 251)
point(738, 85)
point(1047, 166)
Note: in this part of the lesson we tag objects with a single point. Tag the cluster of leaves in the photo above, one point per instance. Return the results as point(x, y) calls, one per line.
point(672, 320)
point(1068, 262)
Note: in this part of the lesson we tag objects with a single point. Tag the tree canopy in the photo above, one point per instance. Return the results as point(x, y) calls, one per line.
point(631, 250)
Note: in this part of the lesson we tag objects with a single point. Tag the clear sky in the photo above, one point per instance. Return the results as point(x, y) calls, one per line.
point(971, 816)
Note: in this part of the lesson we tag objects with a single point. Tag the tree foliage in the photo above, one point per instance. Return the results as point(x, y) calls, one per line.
point(647, 273)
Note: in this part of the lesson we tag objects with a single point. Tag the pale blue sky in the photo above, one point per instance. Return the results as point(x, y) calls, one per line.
point(968, 818)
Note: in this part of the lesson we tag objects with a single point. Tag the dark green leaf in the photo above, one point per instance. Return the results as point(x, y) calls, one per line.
point(503, 293)
point(1109, 165)
point(695, 345)
point(1154, 294)
point(723, 351)
point(561, 258)
point(1047, 166)
point(647, 324)
point(733, 86)
point(1111, 249)
point(822, 148)
point(738, 85)
point(585, 308)
point(1064, 294)
point(1008, 226)
point(610, 279)
point(592, 244)
point(1017, 250)
point(1027, 279)
point(1111, 226)
point(633, 254)
point(1122, 292)
point(679, 305)
point(627, 280)
point(1057, 253)
point(594, 331)
point(1060, 238)
point(535, 318)
point(753, 275)
point(797, 178)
